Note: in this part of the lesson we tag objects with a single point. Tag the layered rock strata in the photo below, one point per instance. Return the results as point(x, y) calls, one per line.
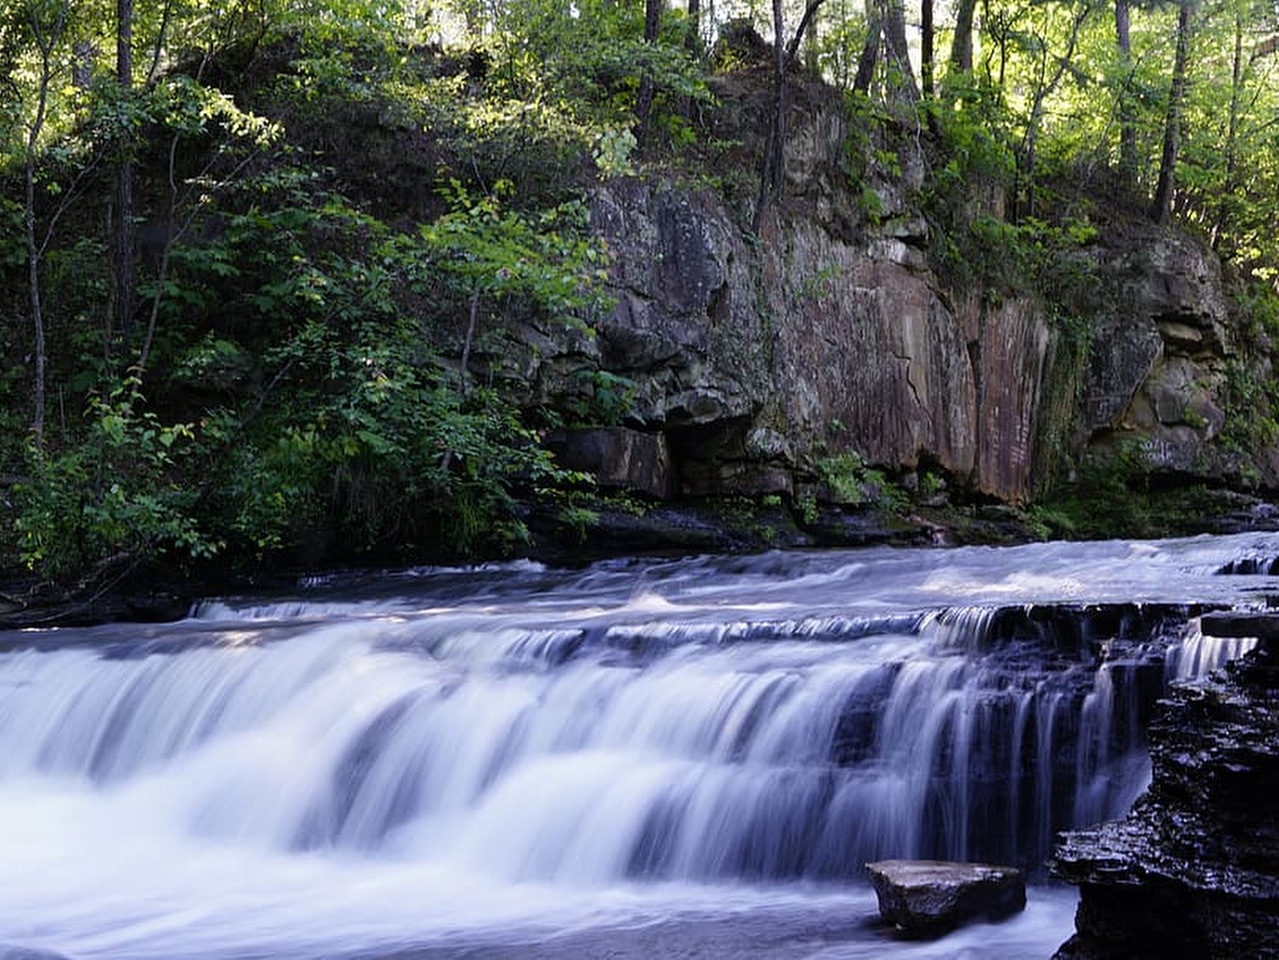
point(1193, 871)
point(755, 354)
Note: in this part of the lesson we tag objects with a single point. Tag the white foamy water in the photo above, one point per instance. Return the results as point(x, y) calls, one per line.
point(645, 758)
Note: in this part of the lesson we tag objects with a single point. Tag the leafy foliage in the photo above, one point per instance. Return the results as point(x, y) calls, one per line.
point(114, 494)
point(850, 481)
point(338, 202)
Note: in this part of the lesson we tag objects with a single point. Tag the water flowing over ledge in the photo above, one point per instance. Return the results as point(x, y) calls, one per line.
point(642, 752)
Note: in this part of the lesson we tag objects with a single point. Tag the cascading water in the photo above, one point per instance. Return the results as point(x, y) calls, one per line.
point(643, 754)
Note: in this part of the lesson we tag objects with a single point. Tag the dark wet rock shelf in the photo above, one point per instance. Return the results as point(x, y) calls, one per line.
point(1194, 869)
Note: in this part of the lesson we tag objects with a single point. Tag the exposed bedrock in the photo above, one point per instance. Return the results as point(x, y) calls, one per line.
point(756, 359)
point(754, 355)
point(1194, 869)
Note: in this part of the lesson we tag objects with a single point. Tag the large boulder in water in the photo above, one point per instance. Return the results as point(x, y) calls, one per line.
point(924, 898)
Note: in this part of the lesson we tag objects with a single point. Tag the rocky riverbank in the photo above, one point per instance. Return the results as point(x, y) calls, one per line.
point(599, 528)
point(1193, 871)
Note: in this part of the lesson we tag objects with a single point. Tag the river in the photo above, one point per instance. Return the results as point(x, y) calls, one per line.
point(643, 758)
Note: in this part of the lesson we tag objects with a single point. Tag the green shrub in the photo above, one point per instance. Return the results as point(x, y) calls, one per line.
point(116, 494)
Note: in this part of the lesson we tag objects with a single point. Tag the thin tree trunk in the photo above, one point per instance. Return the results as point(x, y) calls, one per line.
point(901, 74)
point(644, 100)
point(125, 241)
point(870, 49)
point(1127, 123)
point(926, 42)
point(810, 11)
point(1161, 207)
point(153, 72)
point(33, 274)
point(1004, 43)
point(174, 236)
point(162, 272)
point(1042, 92)
point(1232, 129)
point(463, 385)
point(45, 41)
point(695, 21)
point(472, 322)
point(770, 179)
point(961, 47)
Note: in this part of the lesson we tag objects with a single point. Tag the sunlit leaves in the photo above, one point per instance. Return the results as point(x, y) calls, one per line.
point(547, 257)
point(113, 495)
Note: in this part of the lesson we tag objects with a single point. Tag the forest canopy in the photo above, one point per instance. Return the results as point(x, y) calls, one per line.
point(253, 251)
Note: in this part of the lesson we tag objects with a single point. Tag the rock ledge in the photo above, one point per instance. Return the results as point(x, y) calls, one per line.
point(1194, 869)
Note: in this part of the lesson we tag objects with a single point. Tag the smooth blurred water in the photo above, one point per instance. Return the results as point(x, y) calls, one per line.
point(654, 758)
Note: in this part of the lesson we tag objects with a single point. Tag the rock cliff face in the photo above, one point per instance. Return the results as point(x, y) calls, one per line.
point(1157, 365)
point(757, 355)
point(772, 353)
point(1194, 869)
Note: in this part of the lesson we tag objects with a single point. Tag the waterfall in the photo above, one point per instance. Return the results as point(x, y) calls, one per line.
point(638, 726)
point(1197, 655)
point(653, 749)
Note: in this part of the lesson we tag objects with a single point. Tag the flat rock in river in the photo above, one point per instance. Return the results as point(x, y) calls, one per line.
point(930, 897)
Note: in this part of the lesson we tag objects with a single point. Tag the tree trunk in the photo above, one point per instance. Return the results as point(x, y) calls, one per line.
point(695, 22)
point(1161, 207)
point(161, 37)
point(961, 47)
point(472, 322)
point(46, 37)
point(644, 99)
point(770, 180)
point(926, 41)
point(82, 57)
point(810, 11)
point(902, 75)
point(125, 242)
point(1232, 130)
point(1127, 123)
point(33, 271)
point(870, 49)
